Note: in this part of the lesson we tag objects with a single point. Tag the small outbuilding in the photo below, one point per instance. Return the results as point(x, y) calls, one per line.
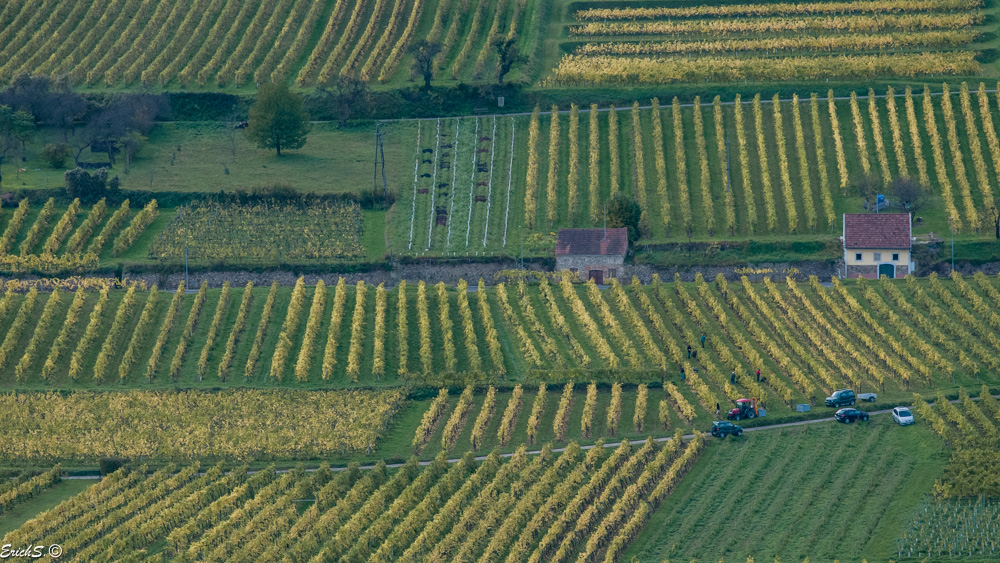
point(877, 244)
point(592, 253)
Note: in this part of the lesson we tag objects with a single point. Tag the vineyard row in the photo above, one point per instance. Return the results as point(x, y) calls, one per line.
point(585, 505)
point(48, 241)
point(230, 42)
point(805, 338)
point(711, 168)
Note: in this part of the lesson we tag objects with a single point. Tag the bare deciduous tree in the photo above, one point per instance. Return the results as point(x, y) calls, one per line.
point(868, 186)
point(908, 194)
point(343, 96)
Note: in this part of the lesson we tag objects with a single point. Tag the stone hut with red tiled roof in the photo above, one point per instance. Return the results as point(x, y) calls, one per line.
point(877, 244)
point(597, 254)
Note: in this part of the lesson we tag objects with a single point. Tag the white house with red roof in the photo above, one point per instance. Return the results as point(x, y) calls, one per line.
point(877, 244)
point(595, 254)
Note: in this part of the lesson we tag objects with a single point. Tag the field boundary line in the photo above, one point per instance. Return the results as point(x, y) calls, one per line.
point(623, 108)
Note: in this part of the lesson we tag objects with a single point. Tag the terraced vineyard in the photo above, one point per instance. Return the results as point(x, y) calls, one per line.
point(222, 43)
point(23, 487)
point(655, 43)
point(71, 240)
point(353, 408)
point(805, 338)
point(961, 518)
point(551, 507)
point(707, 170)
point(557, 414)
point(264, 232)
point(237, 424)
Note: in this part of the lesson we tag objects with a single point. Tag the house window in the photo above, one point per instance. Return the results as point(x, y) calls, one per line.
point(857, 256)
point(574, 270)
point(611, 273)
point(895, 257)
point(878, 256)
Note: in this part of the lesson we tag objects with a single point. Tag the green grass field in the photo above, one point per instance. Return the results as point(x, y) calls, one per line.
point(194, 157)
point(825, 491)
point(66, 489)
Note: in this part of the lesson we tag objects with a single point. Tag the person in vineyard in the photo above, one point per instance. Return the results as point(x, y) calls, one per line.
point(732, 377)
point(758, 375)
point(689, 350)
point(703, 340)
point(717, 410)
point(682, 374)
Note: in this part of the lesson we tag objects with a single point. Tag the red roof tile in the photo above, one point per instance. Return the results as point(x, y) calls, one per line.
point(591, 242)
point(877, 230)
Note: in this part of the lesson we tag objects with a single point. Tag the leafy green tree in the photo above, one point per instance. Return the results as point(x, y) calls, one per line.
point(508, 55)
point(90, 188)
point(623, 211)
point(278, 119)
point(55, 154)
point(423, 53)
point(129, 145)
point(16, 128)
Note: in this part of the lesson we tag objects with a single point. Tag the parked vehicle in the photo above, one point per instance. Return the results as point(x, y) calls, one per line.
point(723, 428)
point(902, 416)
point(870, 397)
point(745, 408)
point(840, 398)
point(849, 415)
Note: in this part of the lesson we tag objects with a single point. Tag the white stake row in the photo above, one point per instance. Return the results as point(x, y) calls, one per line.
point(510, 176)
point(472, 187)
point(489, 190)
point(451, 194)
point(434, 174)
point(413, 211)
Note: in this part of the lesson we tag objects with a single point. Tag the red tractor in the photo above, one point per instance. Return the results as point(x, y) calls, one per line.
point(745, 408)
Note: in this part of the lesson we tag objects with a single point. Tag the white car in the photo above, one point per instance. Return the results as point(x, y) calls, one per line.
point(902, 416)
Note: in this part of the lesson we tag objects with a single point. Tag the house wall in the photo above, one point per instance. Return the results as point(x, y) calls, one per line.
point(868, 257)
point(867, 266)
point(583, 264)
point(870, 271)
